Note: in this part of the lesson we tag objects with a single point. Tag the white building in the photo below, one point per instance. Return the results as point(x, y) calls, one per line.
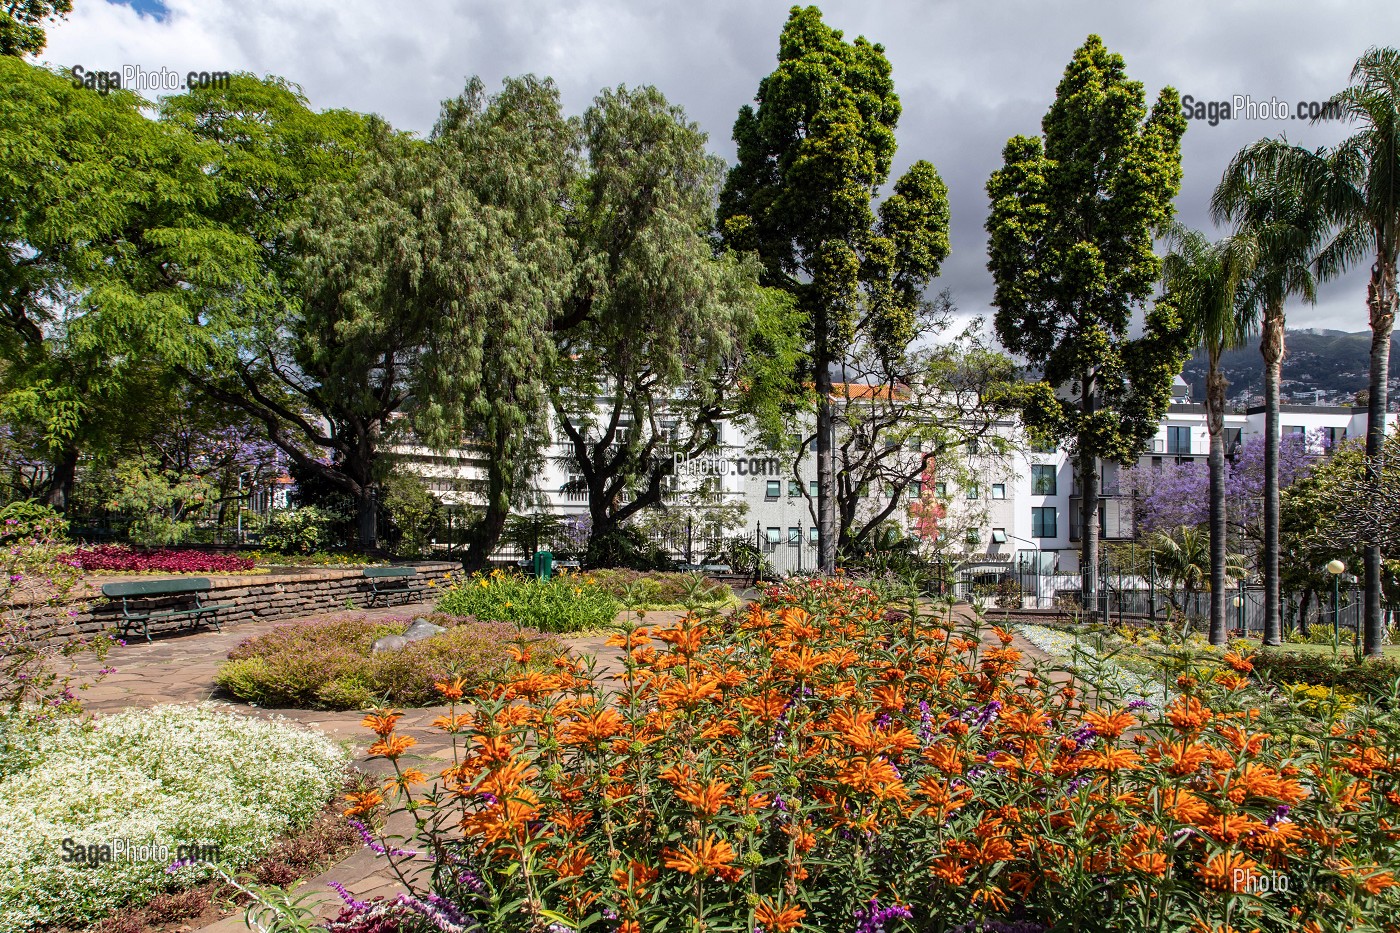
point(1024, 507)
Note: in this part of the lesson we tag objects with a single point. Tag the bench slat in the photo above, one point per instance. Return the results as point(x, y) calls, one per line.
point(156, 587)
point(373, 572)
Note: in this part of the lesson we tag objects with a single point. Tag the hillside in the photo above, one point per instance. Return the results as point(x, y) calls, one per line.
point(1331, 361)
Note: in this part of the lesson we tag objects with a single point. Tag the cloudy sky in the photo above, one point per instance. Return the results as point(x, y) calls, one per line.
point(969, 74)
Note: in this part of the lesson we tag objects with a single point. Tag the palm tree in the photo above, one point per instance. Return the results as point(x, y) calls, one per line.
point(1279, 229)
point(1359, 185)
point(1202, 278)
point(1185, 559)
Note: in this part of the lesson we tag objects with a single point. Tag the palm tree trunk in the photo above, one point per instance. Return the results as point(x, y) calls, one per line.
point(1215, 423)
point(1381, 297)
point(1271, 347)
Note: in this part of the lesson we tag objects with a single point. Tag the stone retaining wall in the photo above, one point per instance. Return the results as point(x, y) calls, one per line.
point(251, 597)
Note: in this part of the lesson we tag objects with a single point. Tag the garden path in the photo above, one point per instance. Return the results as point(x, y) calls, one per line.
point(181, 669)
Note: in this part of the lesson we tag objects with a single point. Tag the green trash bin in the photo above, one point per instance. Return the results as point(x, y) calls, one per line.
point(544, 565)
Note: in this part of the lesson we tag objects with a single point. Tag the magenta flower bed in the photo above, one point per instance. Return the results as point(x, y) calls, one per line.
point(118, 557)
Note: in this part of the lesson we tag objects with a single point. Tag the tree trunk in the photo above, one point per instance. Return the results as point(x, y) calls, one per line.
point(1215, 423)
point(1271, 347)
point(826, 471)
point(59, 495)
point(485, 534)
point(367, 517)
point(1381, 297)
point(1089, 535)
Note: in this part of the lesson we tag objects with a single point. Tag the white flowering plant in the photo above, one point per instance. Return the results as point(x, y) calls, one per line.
point(152, 781)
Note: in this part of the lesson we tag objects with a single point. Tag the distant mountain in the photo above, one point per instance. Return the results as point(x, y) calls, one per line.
point(1334, 362)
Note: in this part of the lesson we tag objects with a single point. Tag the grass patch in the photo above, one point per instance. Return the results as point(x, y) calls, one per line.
point(330, 664)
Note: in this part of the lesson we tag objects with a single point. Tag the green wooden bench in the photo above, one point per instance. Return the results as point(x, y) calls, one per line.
point(141, 601)
point(386, 581)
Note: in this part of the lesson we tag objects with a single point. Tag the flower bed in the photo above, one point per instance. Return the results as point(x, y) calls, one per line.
point(162, 777)
point(564, 603)
point(330, 664)
point(661, 590)
point(820, 763)
point(117, 558)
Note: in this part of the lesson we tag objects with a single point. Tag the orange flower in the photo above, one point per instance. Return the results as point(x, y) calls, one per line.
point(593, 727)
point(1110, 725)
point(453, 690)
point(711, 856)
point(1238, 662)
point(779, 920)
point(363, 803)
point(708, 798)
point(381, 722)
point(1228, 871)
point(392, 747)
point(1188, 714)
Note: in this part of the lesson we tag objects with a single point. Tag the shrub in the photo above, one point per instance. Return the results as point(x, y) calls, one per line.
point(822, 763)
point(119, 558)
point(1373, 676)
point(564, 603)
point(659, 589)
point(166, 776)
point(301, 530)
point(329, 664)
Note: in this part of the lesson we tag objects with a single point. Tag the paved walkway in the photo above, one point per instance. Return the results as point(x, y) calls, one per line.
point(181, 669)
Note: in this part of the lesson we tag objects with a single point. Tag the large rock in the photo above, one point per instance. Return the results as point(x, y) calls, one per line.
point(421, 629)
point(389, 643)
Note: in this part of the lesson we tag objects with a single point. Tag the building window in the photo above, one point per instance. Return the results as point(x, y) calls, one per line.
point(915, 488)
point(974, 491)
point(794, 489)
point(998, 490)
point(940, 490)
point(1297, 429)
point(974, 537)
point(1043, 479)
point(813, 534)
point(794, 536)
point(774, 537)
point(974, 445)
point(1043, 447)
point(812, 489)
point(1043, 522)
point(998, 535)
point(775, 489)
point(1232, 441)
point(889, 490)
point(1178, 440)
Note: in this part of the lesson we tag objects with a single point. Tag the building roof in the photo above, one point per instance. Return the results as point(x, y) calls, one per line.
point(1308, 410)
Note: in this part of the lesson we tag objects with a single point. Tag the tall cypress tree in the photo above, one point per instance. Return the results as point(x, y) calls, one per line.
point(1073, 215)
point(812, 158)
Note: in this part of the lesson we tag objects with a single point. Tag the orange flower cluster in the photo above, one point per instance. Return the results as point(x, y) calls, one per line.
point(817, 752)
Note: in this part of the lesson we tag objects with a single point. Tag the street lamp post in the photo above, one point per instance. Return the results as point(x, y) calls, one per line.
point(1336, 568)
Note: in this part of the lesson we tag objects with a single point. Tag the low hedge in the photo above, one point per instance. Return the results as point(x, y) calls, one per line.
point(330, 664)
point(1373, 676)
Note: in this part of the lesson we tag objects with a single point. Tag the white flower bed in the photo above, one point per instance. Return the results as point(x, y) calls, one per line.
point(167, 776)
point(1083, 656)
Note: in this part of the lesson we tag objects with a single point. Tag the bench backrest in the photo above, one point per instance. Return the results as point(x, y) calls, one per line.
point(390, 572)
point(156, 587)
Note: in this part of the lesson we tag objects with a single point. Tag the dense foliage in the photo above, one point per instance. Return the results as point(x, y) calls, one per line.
point(656, 589)
point(823, 759)
point(563, 603)
point(118, 558)
point(330, 664)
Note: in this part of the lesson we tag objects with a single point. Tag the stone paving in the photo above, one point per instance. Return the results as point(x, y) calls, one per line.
point(180, 669)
